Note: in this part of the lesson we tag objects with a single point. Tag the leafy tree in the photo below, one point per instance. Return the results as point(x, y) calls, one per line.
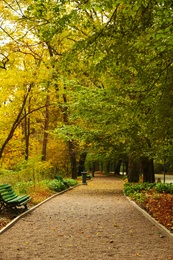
point(108, 66)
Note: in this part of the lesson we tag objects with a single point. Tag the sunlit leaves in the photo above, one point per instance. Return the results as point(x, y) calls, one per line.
point(110, 60)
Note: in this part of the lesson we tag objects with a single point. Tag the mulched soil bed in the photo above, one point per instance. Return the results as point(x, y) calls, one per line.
point(160, 207)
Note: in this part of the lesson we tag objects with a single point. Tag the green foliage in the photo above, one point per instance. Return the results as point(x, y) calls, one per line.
point(164, 188)
point(10, 177)
point(33, 170)
point(130, 188)
point(88, 176)
point(56, 185)
point(59, 178)
point(23, 187)
point(70, 182)
point(139, 197)
point(112, 63)
point(59, 184)
point(137, 191)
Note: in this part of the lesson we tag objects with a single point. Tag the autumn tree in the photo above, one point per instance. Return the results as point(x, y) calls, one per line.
point(110, 66)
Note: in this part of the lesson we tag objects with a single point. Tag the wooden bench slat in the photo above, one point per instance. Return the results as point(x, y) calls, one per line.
point(18, 199)
point(4, 192)
point(4, 186)
point(24, 202)
point(9, 197)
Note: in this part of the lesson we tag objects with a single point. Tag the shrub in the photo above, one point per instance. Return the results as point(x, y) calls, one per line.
point(71, 182)
point(139, 197)
point(130, 188)
point(88, 176)
point(56, 185)
point(164, 188)
point(59, 178)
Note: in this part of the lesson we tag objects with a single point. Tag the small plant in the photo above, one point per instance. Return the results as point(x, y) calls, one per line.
point(58, 177)
point(164, 188)
point(88, 176)
point(139, 197)
point(67, 182)
point(70, 182)
point(130, 188)
point(56, 185)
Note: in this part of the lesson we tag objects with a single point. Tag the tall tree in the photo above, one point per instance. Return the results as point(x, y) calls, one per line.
point(110, 64)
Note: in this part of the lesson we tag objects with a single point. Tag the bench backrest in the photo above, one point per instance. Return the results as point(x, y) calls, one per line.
point(6, 192)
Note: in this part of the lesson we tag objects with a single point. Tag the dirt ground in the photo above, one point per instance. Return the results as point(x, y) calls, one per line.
point(94, 221)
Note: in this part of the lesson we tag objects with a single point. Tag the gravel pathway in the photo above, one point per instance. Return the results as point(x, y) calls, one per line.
point(93, 221)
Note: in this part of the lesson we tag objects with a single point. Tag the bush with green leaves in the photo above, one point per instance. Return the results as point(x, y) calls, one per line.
point(164, 188)
point(135, 191)
point(139, 197)
point(56, 185)
point(130, 188)
point(70, 182)
point(88, 176)
point(60, 184)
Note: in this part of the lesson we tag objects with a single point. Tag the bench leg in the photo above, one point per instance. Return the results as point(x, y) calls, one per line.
point(26, 207)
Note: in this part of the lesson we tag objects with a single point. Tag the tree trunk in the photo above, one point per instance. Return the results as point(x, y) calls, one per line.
point(126, 167)
point(94, 166)
point(27, 131)
point(81, 166)
point(46, 127)
point(72, 155)
point(148, 170)
point(108, 167)
point(64, 110)
point(117, 167)
point(133, 170)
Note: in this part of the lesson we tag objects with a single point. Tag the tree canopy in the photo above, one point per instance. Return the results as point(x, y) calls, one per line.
point(88, 77)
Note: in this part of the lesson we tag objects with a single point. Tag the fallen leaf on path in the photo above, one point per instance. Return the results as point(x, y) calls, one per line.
point(116, 225)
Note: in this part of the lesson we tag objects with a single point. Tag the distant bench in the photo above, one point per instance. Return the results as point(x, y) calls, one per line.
point(9, 199)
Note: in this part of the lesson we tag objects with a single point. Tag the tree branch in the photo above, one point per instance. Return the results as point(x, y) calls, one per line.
point(16, 122)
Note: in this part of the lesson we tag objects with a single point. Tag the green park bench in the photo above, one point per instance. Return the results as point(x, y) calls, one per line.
point(9, 199)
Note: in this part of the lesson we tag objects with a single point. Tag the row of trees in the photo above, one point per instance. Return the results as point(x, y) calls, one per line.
point(87, 80)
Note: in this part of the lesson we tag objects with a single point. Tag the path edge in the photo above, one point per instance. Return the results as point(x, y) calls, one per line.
point(10, 224)
point(150, 218)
